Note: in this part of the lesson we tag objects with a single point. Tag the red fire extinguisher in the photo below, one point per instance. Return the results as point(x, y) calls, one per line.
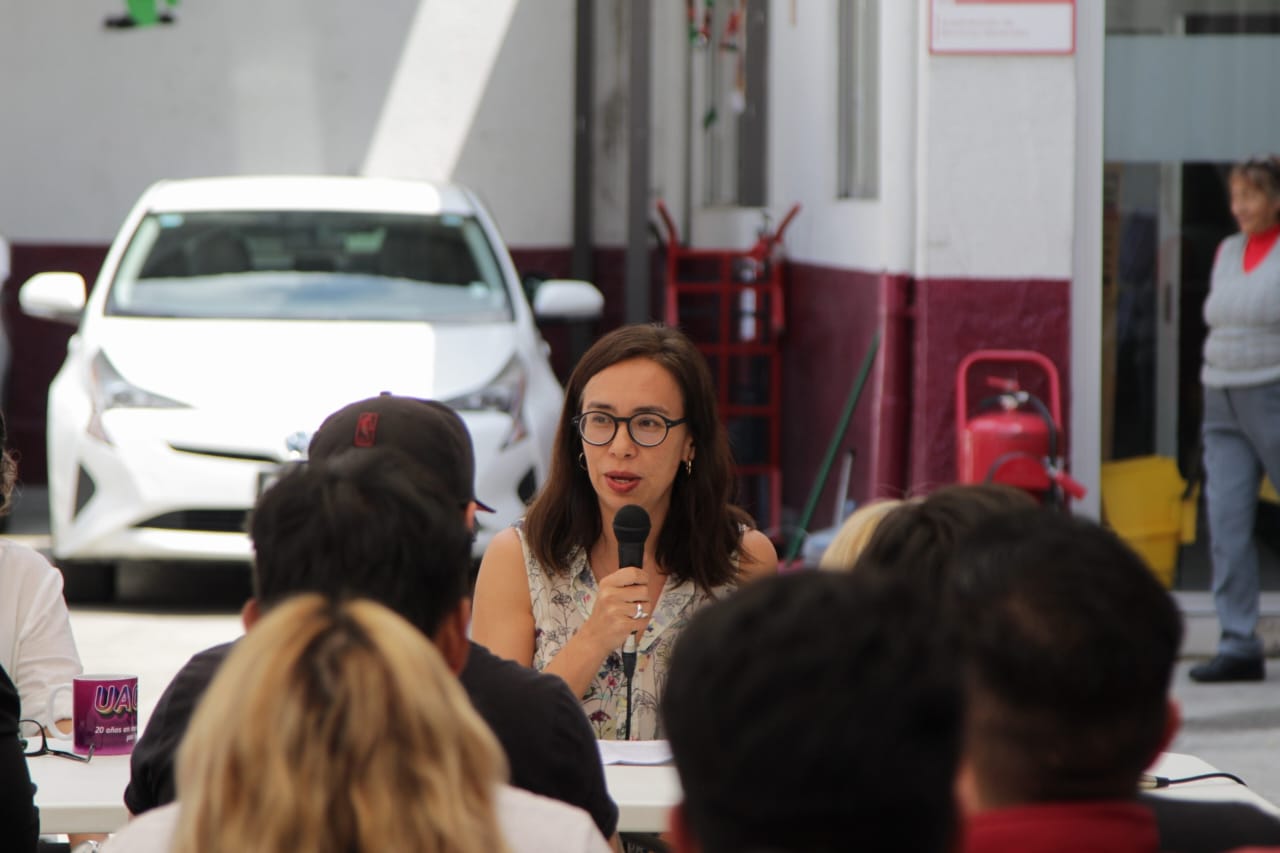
point(1013, 437)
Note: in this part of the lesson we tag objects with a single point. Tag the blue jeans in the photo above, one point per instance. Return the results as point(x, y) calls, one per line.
point(1241, 441)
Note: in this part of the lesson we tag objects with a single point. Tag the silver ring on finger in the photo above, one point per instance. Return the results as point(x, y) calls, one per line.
point(640, 614)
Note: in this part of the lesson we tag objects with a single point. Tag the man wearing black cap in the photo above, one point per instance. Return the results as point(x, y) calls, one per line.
point(549, 744)
point(428, 431)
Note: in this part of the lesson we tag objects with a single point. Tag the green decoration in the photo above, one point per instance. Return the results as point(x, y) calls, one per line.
point(145, 13)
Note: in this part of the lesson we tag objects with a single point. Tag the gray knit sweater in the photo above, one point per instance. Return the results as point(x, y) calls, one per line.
point(1243, 313)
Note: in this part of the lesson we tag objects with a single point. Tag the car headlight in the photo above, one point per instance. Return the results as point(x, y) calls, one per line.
point(505, 393)
point(109, 390)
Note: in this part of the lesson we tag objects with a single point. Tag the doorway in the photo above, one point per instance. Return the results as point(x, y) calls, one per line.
point(1167, 220)
point(1178, 113)
point(1182, 102)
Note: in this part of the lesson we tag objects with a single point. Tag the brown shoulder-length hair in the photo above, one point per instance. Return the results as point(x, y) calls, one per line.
point(8, 470)
point(703, 529)
point(1262, 172)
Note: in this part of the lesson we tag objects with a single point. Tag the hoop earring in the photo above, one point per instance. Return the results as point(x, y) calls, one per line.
point(688, 467)
point(582, 461)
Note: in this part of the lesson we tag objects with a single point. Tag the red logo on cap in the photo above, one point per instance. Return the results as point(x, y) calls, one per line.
point(366, 429)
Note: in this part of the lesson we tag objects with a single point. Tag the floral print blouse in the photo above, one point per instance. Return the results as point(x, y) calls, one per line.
point(561, 605)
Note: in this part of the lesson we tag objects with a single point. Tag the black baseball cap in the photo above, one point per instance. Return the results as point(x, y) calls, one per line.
point(428, 431)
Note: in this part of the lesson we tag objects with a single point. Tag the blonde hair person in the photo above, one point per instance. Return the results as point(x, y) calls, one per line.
point(331, 728)
point(854, 532)
point(337, 728)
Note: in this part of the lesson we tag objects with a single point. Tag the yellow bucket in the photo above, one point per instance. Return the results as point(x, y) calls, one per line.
point(1142, 502)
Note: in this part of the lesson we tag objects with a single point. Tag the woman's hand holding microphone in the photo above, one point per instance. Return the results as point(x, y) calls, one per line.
point(622, 605)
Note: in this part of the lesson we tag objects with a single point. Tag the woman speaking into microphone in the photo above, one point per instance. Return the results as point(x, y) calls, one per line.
point(639, 428)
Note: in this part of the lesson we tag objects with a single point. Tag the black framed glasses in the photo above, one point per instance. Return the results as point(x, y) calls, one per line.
point(647, 429)
point(37, 743)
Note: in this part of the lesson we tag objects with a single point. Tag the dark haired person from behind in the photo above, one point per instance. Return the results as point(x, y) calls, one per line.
point(359, 520)
point(915, 538)
point(917, 544)
point(815, 713)
point(19, 824)
point(1069, 644)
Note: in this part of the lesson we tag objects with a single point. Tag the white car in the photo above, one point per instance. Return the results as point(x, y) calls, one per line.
point(233, 314)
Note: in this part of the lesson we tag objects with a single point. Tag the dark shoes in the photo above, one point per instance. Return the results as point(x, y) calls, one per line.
point(1229, 668)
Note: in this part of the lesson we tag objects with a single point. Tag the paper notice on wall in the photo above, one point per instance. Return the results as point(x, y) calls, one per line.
point(1002, 27)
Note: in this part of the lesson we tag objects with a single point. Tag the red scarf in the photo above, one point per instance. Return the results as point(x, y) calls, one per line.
point(1257, 246)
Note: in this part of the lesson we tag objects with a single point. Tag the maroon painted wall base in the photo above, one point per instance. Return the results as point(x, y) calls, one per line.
point(39, 346)
point(957, 316)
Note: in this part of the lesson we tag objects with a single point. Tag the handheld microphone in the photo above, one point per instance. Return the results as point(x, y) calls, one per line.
point(630, 528)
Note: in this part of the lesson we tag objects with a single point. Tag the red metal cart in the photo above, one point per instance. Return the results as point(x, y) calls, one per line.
point(730, 303)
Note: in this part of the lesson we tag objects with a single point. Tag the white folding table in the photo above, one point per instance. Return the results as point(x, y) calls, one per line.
point(76, 797)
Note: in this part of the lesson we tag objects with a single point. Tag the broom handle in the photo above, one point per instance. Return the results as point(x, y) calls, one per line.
point(832, 449)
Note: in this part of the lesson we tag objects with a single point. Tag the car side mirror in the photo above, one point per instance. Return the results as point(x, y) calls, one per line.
point(567, 299)
point(57, 296)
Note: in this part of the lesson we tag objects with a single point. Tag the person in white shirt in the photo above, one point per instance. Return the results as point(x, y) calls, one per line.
point(337, 725)
point(37, 647)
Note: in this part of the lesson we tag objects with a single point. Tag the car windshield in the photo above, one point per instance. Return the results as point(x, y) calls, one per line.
point(310, 265)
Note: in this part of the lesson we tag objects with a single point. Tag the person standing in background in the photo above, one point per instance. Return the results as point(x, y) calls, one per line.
point(1241, 428)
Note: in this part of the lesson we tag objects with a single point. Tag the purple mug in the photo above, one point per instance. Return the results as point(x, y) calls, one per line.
point(104, 713)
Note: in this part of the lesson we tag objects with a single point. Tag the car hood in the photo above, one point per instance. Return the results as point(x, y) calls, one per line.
point(308, 366)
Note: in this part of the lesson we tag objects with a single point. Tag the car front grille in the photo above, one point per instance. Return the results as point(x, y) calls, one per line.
point(201, 520)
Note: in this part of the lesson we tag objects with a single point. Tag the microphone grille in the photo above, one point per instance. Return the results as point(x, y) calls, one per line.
point(631, 524)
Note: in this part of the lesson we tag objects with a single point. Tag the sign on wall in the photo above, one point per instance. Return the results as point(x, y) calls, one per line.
point(1002, 27)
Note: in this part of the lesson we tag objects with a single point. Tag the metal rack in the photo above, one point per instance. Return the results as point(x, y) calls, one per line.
point(731, 305)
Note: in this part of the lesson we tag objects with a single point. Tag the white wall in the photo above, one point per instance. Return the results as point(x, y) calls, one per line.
point(483, 95)
point(977, 152)
point(864, 234)
point(997, 156)
point(867, 234)
point(94, 115)
point(91, 116)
